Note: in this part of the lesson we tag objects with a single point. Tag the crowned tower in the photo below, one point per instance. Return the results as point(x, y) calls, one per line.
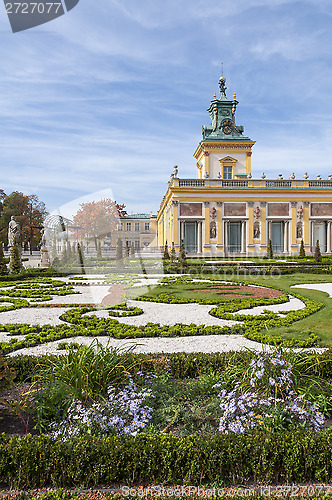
point(224, 152)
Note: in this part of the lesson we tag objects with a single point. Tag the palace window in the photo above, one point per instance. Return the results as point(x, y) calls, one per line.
point(147, 226)
point(136, 226)
point(128, 226)
point(227, 173)
point(227, 166)
point(120, 226)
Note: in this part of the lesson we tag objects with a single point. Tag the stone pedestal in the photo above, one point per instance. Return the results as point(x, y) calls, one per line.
point(44, 258)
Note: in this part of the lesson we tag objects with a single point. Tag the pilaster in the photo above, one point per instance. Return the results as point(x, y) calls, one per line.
point(306, 234)
point(206, 224)
point(175, 231)
point(293, 227)
point(250, 225)
point(207, 163)
point(219, 226)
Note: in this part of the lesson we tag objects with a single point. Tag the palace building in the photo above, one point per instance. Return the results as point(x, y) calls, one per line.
point(224, 211)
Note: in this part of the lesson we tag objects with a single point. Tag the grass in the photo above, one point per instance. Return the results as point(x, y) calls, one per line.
point(318, 323)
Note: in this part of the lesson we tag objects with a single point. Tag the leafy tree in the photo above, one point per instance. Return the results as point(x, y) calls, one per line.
point(29, 211)
point(302, 251)
point(318, 255)
point(269, 250)
point(121, 209)
point(97, 218)
point(3, 265)
point(15, 263)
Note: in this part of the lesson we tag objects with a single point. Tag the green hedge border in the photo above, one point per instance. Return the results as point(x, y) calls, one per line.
point(297, 457)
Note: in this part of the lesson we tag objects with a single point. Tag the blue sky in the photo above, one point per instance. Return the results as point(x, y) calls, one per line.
point(114, 93)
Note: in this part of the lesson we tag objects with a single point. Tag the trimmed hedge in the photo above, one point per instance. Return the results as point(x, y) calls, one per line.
point(294, 491)
point(227, 459)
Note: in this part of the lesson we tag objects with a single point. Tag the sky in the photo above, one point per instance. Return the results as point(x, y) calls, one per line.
point(110, 96)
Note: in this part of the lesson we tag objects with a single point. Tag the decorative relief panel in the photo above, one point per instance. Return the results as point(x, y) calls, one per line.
point(234, 209)
point(190, 209)
point(278, 209)
point(321, 209)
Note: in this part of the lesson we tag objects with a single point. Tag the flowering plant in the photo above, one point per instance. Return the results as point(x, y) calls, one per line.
point(123, 412)
point(258, 409)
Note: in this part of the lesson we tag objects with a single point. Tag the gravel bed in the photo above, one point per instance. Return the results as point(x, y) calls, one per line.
point(206, 343)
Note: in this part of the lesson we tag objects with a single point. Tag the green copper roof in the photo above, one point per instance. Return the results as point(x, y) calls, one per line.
point(222, 114)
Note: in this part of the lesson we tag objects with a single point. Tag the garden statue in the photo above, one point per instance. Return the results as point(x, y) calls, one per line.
point(44, 257)
point(14, 232)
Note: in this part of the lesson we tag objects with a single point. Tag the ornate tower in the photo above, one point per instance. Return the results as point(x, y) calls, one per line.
point(224, 152)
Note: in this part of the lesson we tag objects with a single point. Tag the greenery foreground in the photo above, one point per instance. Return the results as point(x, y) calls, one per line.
point(106, 416)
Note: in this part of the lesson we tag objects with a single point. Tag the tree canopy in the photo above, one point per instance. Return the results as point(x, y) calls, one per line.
point(98, 218)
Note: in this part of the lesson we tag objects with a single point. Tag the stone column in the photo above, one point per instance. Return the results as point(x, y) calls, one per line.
point(294, 246)
point(199, 236)
point(306, 227)
point(286, 237)
point(225, 236)
point(175, 231)
point(264, 239)
point(243, 236)
point(328, 237)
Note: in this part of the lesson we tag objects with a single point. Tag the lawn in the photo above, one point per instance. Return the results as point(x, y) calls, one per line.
point(318, 323)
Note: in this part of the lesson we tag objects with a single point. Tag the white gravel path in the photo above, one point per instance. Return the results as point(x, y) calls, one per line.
point(206, 343)
point(292, 305)
point(321, 287)
point(165, 314)
point(169, 314)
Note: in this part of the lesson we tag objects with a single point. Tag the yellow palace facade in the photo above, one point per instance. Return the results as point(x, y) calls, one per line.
point(224, 212)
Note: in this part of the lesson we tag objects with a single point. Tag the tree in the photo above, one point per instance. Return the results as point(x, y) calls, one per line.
point(29, 211)
point(302, 251)
point(121, 209)
point(119, 254)
point(318, 255)
point(99, 255)
point(97, 218)
point(269, 250)
point(3, 265)
point(80, 257)
point(15, 263)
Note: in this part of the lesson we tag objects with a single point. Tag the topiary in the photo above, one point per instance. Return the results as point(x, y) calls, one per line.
point(15, 264)
point(3, 265)
point(269, 250)
point(182, 260)
point(302, 251)
point(318, 255)
point(166, 252)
